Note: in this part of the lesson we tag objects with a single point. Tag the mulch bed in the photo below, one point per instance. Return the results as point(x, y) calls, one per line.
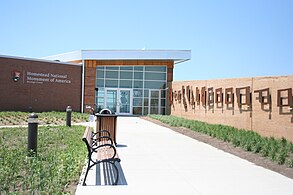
point(228, 147)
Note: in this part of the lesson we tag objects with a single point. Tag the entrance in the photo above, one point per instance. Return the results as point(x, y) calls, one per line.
point(119, 100)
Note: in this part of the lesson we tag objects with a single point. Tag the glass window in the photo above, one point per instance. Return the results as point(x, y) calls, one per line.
point(138, 84)
point(163, 102)
point(126, 67)
point(100, 92)
point(155, 76)
point(155, 94)
point(137, 110)
point(155, 85)
point(138, 75)
point(163, 111)
point(112, 67)
point(100, 82)
point(154, 110)
point(156, 68)
point(137, 101)
point(138, 68)
point(146, 102)
point(154, 102)
point(145, 110)
point(126, 75)
point(146, 93)
point(112, 74)
point(126, 83)
point(100, 74)
point(137, 93)
point(100, 101)
point(111, 83)
point(143, 83)
point(163, 93)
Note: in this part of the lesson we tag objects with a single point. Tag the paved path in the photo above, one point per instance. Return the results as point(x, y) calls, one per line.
point(157, 160)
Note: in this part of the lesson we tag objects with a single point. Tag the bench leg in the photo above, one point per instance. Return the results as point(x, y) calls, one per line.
point(87, 171)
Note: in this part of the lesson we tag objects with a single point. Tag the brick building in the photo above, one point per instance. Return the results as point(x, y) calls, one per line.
point(38, 85)
point(127, 82)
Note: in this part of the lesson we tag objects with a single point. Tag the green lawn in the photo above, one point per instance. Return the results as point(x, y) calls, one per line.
point(60, 158)
point(277, 150)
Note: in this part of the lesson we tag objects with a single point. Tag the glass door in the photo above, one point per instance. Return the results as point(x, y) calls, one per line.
point(125, 101)
point(111, 100)
point(154, 101)
point(119, 101)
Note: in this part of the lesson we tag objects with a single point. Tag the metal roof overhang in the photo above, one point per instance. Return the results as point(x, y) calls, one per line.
point(177, 56)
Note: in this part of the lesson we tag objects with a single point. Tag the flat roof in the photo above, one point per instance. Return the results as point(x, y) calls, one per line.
point(38, 60)
point(177, 56)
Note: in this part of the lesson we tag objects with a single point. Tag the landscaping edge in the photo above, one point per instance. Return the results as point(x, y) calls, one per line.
point(255, 158)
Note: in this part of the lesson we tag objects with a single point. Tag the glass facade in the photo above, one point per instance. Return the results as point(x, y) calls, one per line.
point(137, 90)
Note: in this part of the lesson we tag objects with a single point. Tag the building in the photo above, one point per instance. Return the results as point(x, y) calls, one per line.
point(39, 85)
point(135, 82)
point(140, 82)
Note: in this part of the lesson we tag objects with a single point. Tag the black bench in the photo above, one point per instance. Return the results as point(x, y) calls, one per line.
point(101, 144)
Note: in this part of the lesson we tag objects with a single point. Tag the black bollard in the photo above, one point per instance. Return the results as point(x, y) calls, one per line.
point(32, 135)
point(68, 116)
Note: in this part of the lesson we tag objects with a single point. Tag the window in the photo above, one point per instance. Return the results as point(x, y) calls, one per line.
point(100, 74)
point(125, 84)
point(126, 75)
point(138, 75)
point(155, 76)
point(111, 83)
point(142, 79)
point(111, 74)
point(156, 68)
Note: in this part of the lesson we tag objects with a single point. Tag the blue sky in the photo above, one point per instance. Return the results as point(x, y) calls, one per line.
point(228, 38)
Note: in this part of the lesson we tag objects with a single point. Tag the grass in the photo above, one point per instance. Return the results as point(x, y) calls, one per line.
point(279, 151)
point(55, 118)
point(60, 154)
point(60, 157)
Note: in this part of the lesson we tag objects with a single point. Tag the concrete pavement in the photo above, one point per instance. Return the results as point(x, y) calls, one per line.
point(157, 160)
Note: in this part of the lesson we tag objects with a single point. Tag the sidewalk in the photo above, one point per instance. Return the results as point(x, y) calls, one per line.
point(157, 160)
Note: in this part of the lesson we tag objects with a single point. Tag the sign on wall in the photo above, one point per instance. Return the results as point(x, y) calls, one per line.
point(41, 78)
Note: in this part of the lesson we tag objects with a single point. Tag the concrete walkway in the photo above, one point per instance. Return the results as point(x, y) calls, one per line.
point(157, 160)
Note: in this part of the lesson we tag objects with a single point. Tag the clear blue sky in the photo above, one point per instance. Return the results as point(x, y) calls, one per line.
point(228, 38)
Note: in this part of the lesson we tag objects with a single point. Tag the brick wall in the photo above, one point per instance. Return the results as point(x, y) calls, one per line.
point(254, 106)
point(42, 86)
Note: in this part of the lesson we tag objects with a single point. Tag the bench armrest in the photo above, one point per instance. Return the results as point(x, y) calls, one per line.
point(98, 139)
point(100, 132)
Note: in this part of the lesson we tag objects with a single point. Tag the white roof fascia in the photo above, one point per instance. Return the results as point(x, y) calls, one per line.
point(176, 55)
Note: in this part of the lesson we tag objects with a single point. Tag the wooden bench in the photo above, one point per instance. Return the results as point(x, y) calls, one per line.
point(101, 144)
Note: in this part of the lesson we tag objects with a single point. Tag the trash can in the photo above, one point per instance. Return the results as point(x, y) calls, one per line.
point(107, 122)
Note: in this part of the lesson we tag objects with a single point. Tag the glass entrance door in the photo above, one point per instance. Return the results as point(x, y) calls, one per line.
point(119, 101)
point(125, 106)
point(111, 100)
point(154, 101)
